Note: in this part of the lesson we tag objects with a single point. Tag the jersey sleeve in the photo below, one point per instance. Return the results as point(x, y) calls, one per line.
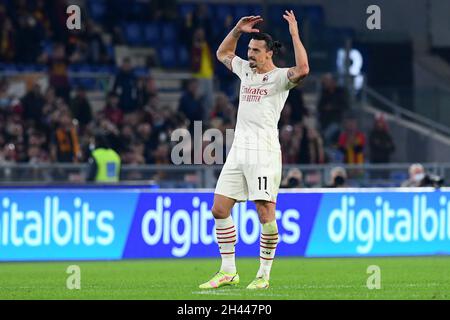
point(237, 66)
point(283, 82)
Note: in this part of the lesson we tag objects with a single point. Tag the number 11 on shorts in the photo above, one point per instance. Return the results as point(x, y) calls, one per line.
point(260, 182)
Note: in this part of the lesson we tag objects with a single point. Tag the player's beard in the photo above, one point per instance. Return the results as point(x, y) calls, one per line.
point(252, 64)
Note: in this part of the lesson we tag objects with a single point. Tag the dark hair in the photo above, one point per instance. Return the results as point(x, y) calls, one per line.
point(272, 45)
point(102, 141)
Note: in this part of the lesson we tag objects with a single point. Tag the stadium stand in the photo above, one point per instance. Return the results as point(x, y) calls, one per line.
point(140, 116)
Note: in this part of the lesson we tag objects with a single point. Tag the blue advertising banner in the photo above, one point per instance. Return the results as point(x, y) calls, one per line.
point(181, 224)
point(386, 223)
point(64, 224)
point(126, 223)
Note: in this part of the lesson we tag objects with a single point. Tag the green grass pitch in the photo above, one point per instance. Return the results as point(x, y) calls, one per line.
point(292, 279)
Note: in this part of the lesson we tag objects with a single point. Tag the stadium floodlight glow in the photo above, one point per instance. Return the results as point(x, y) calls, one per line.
point(355, 67)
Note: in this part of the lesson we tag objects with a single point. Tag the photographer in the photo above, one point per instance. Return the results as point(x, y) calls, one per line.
point(294, 179)
point(419, 178)
point(338, 178)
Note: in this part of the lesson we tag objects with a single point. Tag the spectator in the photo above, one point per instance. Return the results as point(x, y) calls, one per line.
point(352, 142)
point(138, 149)
point(7, 40)
point(50, 105)
point(148, 139)
point(308, 144)
point(95, 47)
point(65, 146)
point(301, 140)
point(42, 18)
point(223, 109)
point(201, 19)
point(35, 138)
point(125, 86)
point(127, 136)
point(161, 156)
point(8, 156)
point(338, 178)
point(58, 65)
point(332, 104)
point(27, 40)
point(14, 130)
point(316, 150)
point(418, 177)
point(105, 127)
point(203, 69)
point(111, 111)
point(380, 141)
point(191, 104)
point(36, 155)
point(58, 20)
point(298, 108)
point(147, 91)
point(77, 48)
point(81, 108)
point(294, 179)
point(286, 116)
point(288, 149)
point(33, 103)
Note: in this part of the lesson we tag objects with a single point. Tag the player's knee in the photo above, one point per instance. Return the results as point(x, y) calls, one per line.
point(219, 212)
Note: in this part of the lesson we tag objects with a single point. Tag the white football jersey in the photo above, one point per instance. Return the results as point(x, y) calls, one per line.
point(261, 99)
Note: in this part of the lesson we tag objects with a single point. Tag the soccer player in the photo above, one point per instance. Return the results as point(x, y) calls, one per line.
point(252, 170)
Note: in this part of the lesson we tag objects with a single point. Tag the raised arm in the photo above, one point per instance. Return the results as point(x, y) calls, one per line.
point(226, 51)
point(301, 69)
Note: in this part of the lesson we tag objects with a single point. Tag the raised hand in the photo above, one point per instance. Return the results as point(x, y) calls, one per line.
point(290, 18)
point(246, 24)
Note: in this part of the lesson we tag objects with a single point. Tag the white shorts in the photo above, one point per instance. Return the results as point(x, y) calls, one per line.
point(250, 175)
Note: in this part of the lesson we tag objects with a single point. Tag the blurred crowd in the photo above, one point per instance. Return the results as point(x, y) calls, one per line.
point(44, 127)
point(29, 30)
point(58, 124)
point(47, 126)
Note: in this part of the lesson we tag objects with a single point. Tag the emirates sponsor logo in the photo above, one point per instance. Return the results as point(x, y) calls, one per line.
point(254, 91)
point(250, 94)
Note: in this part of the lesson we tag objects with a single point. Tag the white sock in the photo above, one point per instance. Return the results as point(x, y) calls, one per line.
point(226, 238)
point(268, 245)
